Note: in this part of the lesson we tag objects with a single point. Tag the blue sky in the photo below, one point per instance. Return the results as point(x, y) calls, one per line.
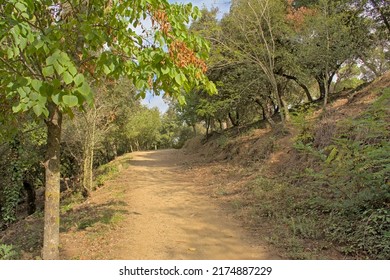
point(223, 5)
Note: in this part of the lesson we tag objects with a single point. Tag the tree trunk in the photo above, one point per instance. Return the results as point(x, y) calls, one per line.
point(263, 112)
point(285, 109)
point(212, 124)
point(87, 171)
point(302, 85)
point(280, 105)
point(326, 83)
point(194, 129)
point(220, 125)
point(89, 147)
point(50, 249)
point(207, 127)
point(266, 115)
point(232, 120)
point(274, 106)
point(321, 86)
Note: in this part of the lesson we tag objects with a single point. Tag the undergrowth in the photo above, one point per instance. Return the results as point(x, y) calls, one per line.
point(338, 196)
point(108, 171)
point(8, 252)
point(352, 184)
point(105, 172)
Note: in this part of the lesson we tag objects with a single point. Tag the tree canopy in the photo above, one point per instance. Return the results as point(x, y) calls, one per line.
point(52, 53)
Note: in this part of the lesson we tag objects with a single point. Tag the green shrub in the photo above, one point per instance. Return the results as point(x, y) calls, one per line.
point(104, 173)
point(352, 174)
point(222, 141)
point(8, 252)
point(300, 120)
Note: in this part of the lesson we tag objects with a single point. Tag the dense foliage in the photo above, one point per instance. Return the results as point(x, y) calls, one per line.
point(72, 73)
point(268, 56)
point(53, 55)
point(350, 170)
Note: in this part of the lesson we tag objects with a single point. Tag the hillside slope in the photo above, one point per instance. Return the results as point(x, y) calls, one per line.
point(318, 189)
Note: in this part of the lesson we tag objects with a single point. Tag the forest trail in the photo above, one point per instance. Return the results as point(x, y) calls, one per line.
point(157, 209)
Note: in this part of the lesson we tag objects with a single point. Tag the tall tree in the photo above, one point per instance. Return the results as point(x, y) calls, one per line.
point(327, 37)
point(251, 30)
point(49, 52)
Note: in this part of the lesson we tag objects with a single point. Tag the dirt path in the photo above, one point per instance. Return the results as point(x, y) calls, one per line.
point(154, 209)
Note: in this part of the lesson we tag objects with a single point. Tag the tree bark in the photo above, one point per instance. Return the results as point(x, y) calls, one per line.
point(220, 124)
point(194, 129)
point(207, 127)
point(279, 102)
point(302, 85)
point(321, 86)
point(326, 96)
point(89, 148)
point(280, 105)
point(87, 171)
point(285, 109)
point(232, 120)
point(50, 249)
point(266, 115)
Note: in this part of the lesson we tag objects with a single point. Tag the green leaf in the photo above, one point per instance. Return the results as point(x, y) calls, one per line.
point(85, 90)
point(178, 79)
point(106, 69)
point(48, 71)
point(38, 45)
point(182, 100)
point(36, 85)
point(165, 70)
point(79, 79)
point(68, 78)
point(63, 58)
point(10, 53)
point(22, 93)
point(38, 110)
point(45, 112)
point(42, 100)
point(51, 59)
point(59, 68)
point(140, 84)
point(70, 100)
point(46, 49)
point(22, 43)
point(21, 7)
point(30, 37)
point(56, 98)
point(34, 96)
point(172, 73)
point(17, 108)
point(211, 88)
point(72, 70)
